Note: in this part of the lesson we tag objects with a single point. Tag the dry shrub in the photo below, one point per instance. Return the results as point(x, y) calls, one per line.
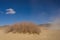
point(8, 29)
point(24, 28)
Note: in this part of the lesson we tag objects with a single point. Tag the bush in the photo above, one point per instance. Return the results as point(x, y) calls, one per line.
point(23, 28)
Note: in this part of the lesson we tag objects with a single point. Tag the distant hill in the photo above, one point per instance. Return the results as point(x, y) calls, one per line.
point(44, 25)
point(41, 25)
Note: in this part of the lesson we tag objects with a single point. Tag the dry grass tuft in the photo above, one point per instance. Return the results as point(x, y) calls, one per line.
point(23, 28)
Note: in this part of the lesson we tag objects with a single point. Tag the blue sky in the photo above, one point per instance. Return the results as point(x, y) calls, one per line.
point(37, 11)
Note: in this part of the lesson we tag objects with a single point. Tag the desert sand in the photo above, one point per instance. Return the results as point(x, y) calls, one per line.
point(44, 35)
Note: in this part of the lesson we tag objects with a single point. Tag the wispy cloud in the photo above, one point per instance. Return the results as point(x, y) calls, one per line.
point(10, 11)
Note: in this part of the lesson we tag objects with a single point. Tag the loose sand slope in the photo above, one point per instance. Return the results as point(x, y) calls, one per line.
point(44, 35)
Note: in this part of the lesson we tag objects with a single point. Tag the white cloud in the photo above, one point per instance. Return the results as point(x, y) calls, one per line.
point(10, 11)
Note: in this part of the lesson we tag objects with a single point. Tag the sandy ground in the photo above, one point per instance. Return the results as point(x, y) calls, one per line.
point(44, 35)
